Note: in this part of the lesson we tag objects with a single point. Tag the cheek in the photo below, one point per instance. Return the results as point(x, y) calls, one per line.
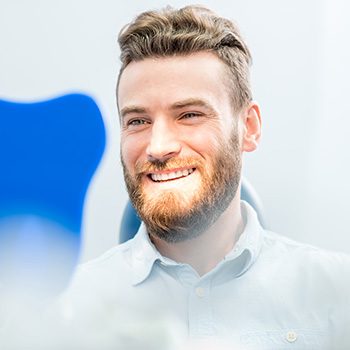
point(131, 151)
point(206, 143)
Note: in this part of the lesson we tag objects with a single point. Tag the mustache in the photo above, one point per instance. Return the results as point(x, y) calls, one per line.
point(147, 167)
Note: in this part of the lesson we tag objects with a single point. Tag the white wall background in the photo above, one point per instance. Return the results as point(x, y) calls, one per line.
point(301, 52)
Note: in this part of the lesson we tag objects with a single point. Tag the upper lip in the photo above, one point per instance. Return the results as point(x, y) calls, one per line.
point(168, 171)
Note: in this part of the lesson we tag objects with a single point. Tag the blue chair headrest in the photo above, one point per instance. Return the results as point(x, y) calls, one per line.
point(49, 152)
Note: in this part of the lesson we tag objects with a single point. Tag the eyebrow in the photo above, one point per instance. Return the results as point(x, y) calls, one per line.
point(192, 102)
point(175, 106)
point(132, 109)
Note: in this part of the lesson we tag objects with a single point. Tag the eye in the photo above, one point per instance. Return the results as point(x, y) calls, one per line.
point(190, 115)
point(136, 122)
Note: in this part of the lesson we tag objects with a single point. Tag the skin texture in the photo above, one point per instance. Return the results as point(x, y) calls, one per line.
point(176, 114)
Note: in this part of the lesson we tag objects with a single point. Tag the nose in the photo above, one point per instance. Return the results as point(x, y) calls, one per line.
point(164, 142)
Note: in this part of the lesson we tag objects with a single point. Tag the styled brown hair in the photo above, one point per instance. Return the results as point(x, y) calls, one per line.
point(171, 32)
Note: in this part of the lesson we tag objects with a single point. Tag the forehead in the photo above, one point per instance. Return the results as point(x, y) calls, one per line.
point(163, 81)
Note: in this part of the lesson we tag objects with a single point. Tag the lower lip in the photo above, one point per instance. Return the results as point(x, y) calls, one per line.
point(171, 180)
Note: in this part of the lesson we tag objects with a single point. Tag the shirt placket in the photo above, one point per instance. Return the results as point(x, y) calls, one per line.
point(200, 315)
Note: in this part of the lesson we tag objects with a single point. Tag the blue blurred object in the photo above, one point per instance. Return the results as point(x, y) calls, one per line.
point(49, 152)
point(130, 221)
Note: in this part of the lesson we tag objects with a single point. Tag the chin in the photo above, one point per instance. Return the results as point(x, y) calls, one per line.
point(168, 203)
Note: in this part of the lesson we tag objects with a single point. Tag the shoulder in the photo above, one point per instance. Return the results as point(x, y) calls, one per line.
point(111, 268)
point(98, 280)
point(304, 261)
point(278, 243)
point(112, 258)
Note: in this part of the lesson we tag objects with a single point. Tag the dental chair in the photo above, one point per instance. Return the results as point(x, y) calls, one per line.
point(49, 151)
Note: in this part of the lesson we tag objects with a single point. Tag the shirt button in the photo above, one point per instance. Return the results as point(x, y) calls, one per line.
point(200, 292)
point(291, 336)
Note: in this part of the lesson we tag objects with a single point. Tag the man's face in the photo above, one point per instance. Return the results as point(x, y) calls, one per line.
point(180, 144)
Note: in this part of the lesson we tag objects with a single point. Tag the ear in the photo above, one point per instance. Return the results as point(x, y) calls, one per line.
point(251, 127)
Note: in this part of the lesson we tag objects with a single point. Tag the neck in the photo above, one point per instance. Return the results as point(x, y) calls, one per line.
point(204, 252)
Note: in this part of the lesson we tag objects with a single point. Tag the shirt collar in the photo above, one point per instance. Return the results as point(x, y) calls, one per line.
point(249, 243)
point(143, 255)
point(246, 250)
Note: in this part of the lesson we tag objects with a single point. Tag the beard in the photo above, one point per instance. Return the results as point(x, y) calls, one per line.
point(171, 215)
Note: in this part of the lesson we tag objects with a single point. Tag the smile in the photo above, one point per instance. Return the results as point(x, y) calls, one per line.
point(174, 175)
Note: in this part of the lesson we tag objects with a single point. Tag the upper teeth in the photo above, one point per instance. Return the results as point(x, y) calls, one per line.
point(171, 176)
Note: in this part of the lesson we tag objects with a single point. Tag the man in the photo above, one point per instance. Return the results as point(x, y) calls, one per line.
point(201, 258)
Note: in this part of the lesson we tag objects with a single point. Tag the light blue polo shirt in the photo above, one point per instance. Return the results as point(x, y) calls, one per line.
point(269, 292)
